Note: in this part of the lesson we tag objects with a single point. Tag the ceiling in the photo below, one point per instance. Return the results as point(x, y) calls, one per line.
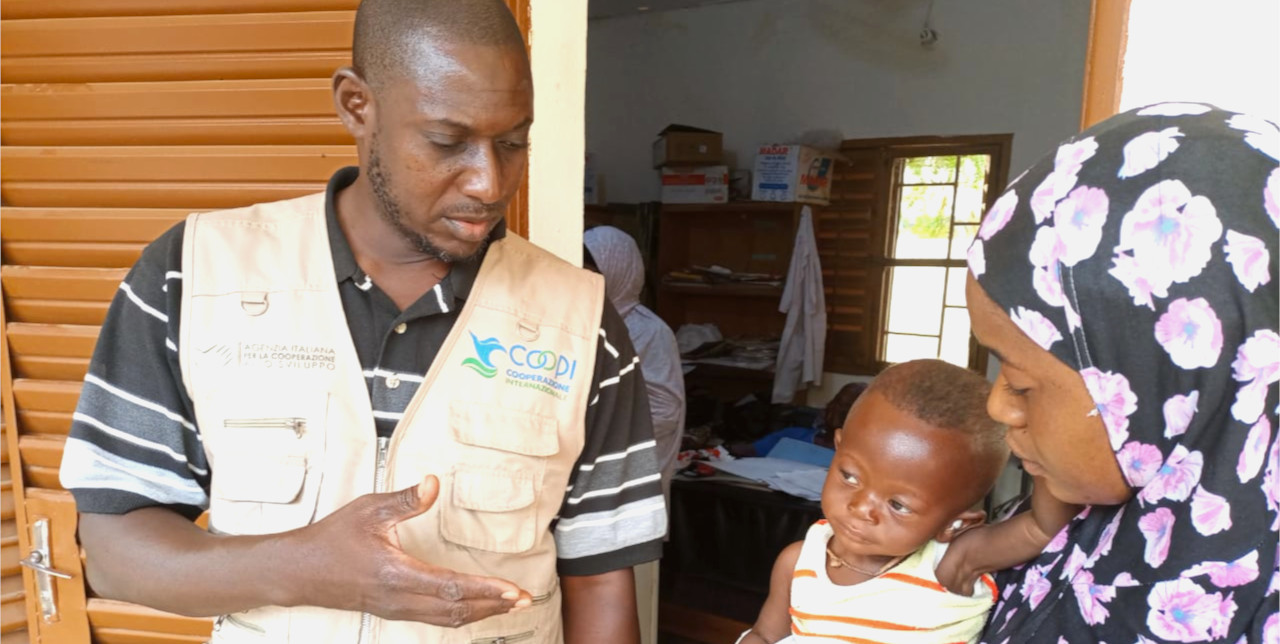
point(600, 9)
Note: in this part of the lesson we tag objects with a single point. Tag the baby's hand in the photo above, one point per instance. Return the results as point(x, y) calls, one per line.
point(956, 571)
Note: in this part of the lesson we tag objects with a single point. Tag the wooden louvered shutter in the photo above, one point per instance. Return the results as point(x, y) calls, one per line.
point(119, 118)
point(851, 249)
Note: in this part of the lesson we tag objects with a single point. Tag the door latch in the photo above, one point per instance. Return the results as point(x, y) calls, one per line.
point(38, 560)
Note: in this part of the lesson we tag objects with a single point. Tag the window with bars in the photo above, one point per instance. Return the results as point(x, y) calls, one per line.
point(893, 246)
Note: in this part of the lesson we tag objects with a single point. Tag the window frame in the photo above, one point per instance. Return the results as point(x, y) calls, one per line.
point(884, 223)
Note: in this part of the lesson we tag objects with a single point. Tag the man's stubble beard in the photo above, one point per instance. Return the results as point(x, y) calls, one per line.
point(391, 212)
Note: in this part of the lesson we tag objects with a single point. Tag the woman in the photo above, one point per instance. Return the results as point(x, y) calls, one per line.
point(1127, 284)
point(614, 255)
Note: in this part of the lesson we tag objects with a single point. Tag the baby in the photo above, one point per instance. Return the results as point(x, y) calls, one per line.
point(914, 459)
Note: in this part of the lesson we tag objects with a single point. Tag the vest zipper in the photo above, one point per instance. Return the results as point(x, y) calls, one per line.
point(223, 619)
point(504, 639)
point(379, 486)
point(296, 425)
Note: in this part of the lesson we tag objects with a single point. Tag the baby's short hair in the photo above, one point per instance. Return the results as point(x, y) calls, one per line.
point(948, 397)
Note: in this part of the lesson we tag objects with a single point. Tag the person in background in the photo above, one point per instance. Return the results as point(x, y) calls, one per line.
point(1127, 283)
point(615, 255)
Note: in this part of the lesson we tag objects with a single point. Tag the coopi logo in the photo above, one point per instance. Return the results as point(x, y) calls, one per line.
point(542, 370)
point(483, 362)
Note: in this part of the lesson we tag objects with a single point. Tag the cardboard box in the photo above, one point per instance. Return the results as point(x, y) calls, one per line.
point(792, 173)
point(684, 145)
point(708, 184)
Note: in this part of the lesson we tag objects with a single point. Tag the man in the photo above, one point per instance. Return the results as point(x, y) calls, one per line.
point(286, 364)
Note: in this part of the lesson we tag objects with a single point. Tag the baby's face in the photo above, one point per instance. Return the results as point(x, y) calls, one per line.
point(895, 482)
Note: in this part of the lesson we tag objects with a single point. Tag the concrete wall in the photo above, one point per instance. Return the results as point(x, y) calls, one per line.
point(769, 70)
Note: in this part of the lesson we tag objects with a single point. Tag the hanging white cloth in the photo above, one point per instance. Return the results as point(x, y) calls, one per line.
point(617, 257)
point(804, 338)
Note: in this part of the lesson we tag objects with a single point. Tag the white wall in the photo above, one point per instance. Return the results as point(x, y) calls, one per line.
point(768, 70)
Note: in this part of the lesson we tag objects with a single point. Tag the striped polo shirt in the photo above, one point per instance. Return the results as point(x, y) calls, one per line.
point(134, 442)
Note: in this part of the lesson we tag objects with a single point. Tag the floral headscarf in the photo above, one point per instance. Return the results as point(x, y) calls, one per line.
point(1143, 254)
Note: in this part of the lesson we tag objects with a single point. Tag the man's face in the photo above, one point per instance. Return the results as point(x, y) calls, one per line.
point(446, 154)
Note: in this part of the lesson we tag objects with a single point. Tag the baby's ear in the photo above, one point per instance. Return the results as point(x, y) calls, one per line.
point(962, 523)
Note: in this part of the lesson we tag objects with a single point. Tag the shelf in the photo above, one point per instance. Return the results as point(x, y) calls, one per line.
point(726, 290)
point(725, 372)
point(733, 207)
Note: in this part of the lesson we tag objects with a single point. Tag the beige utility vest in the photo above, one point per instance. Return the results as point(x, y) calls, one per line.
point(284, 413)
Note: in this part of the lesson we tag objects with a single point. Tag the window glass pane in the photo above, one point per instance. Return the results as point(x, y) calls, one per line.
point(955, 286)
point(970, 187)
point(929, 170)
point(961, 239)
point(915, 299)
point(924, 220)
point(955, 336)
point(901, 348)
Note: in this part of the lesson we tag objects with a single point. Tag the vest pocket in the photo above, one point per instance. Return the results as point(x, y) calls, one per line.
point(491, 510)
point(267, 462)
point(516, 431)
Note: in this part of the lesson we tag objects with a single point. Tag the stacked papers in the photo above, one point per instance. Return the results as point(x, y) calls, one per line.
point(797, 479)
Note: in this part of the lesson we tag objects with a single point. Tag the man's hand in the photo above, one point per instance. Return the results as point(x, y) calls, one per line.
point(956, 571)
point(349, 560)
point(358, 565)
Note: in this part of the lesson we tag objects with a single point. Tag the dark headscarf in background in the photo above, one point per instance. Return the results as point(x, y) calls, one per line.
point(1143, 254)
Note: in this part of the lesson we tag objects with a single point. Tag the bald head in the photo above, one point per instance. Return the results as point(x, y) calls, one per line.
point(393, 38)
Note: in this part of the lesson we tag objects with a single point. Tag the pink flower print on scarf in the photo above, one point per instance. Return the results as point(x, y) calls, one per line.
point(999, 215)
point(1271, 196)
point(1066, 166)
point(1249, 260)
point(1261, 134)
point(1146, 151)
point(1141, 287)
point(1227, 575)
point(1178, 411)
point(1190, 333)
point(1076, 562)
point(1255, 450)
point(1114, 399)
point(1175, 480)
point(1046, 252)
point(1271, 485)
point(1271, 631)
point(1092, 598)
point(1157, 527)
point(1035, 587)
point(1181, 611)
point(1079, 220)
point(1036, 326)
point(1174, 109)
point(1257, 365)
point(1139, 462)
point(1210, 513)
point(1170, 233)
point(977, 259)
point(1107, 538)
point(1058, 541)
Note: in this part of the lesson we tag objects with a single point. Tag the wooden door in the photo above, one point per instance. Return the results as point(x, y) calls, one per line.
point(119, 118)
